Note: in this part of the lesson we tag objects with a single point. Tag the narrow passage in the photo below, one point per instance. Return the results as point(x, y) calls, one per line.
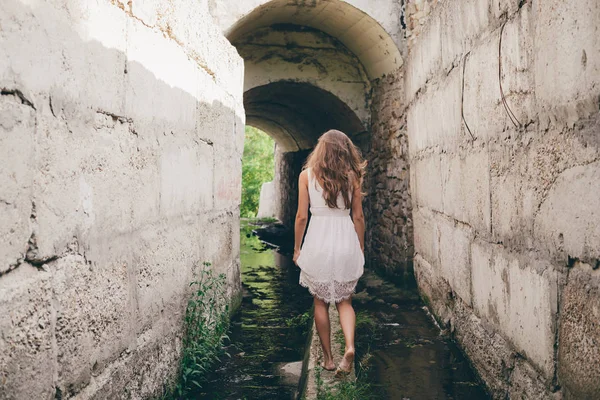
point(401, 353)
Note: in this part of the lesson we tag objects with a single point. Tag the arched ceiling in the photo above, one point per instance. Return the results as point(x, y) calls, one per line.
point(286, 52)
point(358, 31)
point(296, 114)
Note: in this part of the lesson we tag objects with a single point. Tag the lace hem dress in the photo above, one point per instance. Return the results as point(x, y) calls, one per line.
point(331, 259)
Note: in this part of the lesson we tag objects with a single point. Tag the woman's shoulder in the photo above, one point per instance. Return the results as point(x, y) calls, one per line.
point(304, 175)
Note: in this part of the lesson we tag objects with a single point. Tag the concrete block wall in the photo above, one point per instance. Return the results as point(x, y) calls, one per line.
point(506, 216)
point(113, 116)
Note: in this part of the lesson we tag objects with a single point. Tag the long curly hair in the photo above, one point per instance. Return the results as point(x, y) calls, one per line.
point(337, 165)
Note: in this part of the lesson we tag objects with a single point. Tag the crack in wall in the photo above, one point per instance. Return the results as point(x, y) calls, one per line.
point(167, 32)
point(19, 94)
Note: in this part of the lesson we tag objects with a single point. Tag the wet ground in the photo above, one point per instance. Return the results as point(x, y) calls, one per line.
point(405, 356)
point(268, 333)
point(401, 348)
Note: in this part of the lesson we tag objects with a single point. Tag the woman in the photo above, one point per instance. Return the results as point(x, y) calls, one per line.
point(332, 256)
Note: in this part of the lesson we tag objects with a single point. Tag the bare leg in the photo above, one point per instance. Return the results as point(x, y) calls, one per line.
point(348, 322)
point(323, 329)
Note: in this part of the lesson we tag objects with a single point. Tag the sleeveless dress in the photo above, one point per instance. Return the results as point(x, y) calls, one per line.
point(330, 259)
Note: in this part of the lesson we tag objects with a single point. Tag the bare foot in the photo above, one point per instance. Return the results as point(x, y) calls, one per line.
point(345, 366)
point(328, 365)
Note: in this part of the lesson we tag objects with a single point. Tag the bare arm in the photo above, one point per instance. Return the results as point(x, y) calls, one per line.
point(358, 217)
point(301, 214)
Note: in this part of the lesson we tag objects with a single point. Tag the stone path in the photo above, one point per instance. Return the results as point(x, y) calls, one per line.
point(316, 356)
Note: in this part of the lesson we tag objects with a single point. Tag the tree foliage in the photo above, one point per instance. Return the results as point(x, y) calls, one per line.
point(258, 167)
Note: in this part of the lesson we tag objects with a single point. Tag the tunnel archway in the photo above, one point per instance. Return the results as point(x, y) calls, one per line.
point(362, 34)
point(295, 114)
point(311, 66)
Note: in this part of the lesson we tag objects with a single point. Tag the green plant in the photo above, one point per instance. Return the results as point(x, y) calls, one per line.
point(206, 326)
point(365, 323)
point(344, 389)
point(266, 220)
point(338, 338)
point(300, 320)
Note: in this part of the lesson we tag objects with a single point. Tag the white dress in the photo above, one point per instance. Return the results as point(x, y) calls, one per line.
point(330, 259)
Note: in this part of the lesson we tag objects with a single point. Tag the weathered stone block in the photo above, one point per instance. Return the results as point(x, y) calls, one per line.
point(567, 55)
point(227, 178)
point(217, 246)
point(579, 336)
point(514, 204)
point(94, 324)
point(424, 58)
point(484, 112)
point(473, 18)
point(518, 296)
point(17, 127)
point(426, 235)
point(518, 65)
point(164, 268)
point(266, 204)
point(434, 289)
point(27, 356)
point(88, 51)
point(434, 118)
point(568, 221)
point(428, 190)
point(486, 348)
point(455, 256)
point(143, 371)
point(170, 89)
point(186, 180)
point(525, 383)
point(99, 181)
point(466, 189)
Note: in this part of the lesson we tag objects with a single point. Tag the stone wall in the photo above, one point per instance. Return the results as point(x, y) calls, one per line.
point(287, 170)
point(389, 234)
point(112, 118)
point(505, 181)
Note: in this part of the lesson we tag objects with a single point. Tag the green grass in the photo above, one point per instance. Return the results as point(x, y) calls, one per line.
point(300, 320)
point(266, 220)
point(338, 338)
point(364, 322)
point(206, 326)
point(346, 389)
point(343, 389)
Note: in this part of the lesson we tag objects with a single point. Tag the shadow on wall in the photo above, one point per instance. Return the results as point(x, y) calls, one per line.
point(115, 202)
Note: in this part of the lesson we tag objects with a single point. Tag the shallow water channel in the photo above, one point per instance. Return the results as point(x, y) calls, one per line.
point(401, 348)
point(405, 356)
point(269, 331)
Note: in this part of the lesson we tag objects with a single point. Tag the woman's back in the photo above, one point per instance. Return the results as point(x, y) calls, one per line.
point(331, 256)
point(317, 200)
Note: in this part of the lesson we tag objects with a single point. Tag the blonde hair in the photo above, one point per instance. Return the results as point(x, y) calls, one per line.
point(337, 165)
